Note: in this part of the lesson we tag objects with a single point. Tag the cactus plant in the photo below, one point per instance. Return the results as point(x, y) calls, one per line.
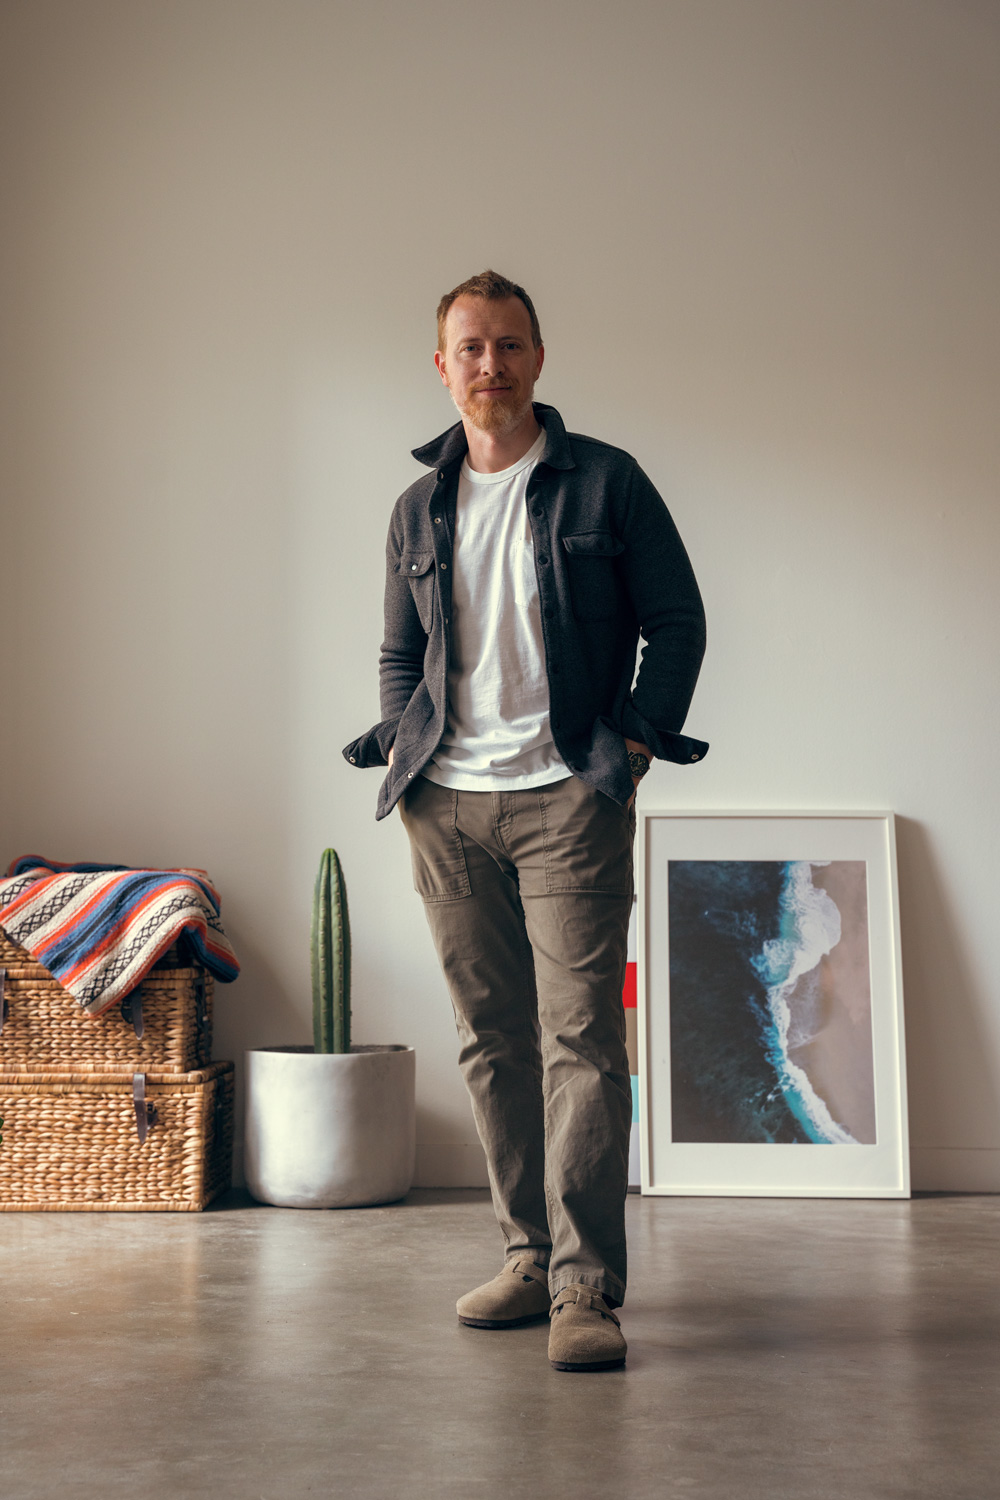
point(331, 959)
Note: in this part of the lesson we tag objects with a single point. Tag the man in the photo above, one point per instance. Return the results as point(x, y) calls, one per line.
point(520, 574)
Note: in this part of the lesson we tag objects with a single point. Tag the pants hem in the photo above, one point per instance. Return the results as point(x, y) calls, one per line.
point(607, 1285)
point(532, 1255)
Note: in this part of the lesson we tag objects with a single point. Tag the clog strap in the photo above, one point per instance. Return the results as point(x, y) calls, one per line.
point(526, 1267)
point(585, 1296)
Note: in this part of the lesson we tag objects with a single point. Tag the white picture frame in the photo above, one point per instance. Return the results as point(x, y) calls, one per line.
point(694, 999)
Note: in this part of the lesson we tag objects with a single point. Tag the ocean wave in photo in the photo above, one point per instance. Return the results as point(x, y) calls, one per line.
point(724, 1086)
point(748, 944)
point(810, 928)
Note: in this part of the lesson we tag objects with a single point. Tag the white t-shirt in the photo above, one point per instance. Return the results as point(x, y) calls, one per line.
point(498, 736)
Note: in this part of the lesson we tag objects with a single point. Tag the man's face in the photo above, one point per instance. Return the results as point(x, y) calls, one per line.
point(489, 363)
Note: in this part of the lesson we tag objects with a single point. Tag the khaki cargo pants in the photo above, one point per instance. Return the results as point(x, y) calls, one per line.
point(528, 896)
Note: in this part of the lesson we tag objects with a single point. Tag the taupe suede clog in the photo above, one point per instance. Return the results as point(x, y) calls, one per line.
point(585, 1334)
point(518, 1295)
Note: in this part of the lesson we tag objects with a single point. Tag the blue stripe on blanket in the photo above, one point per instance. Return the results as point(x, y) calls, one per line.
point(114, 908)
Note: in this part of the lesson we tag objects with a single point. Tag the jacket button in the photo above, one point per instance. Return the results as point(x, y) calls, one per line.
point(413, 567)
point(444, 565)
point(409, 775)
point(694, 757)
point(543, 559)
point(548, 612)
point(437, 520)
point(352, 760)
point(538, 510)
point(440, 473)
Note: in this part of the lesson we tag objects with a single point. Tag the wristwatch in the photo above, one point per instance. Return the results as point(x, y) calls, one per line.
point(638, 764)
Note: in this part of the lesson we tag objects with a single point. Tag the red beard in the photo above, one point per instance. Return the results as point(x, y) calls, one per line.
point(497, 414)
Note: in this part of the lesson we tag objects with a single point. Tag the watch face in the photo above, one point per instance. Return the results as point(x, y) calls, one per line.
point(638, 764)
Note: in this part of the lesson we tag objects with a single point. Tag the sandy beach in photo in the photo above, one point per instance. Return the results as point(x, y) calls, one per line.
point(838, 1056)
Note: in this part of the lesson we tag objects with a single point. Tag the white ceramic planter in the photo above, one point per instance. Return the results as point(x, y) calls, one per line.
point(330, 1130)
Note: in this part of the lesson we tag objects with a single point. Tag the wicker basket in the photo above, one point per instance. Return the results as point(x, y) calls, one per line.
point(73, 1143)
point(43, 1028)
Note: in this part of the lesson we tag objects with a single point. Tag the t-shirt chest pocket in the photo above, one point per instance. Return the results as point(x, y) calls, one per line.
point(418, 567)
point(593, 580)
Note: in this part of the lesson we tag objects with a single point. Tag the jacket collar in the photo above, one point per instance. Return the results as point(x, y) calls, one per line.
point(452, 446)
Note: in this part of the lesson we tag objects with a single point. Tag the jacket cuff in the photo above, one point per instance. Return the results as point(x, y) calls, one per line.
point(372, 749)
point(664, 743)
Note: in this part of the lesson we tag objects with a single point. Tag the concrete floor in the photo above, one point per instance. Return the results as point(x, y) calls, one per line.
point(777, 1349)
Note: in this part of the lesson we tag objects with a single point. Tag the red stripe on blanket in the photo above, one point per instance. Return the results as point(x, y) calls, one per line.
point(111, 937)
point(79, 913)
point(149, 963)
point(29, 894)
point(29, 897)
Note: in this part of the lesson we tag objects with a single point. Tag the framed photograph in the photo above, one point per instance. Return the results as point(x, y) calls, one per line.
point(770, 1009)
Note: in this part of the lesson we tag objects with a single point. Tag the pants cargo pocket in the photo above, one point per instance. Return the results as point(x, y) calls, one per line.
point(430, 817)
point(587, 838)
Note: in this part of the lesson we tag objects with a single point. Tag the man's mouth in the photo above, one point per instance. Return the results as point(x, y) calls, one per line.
point(490, 390)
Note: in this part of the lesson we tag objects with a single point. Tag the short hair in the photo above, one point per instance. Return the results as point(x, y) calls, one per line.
point(492, 287)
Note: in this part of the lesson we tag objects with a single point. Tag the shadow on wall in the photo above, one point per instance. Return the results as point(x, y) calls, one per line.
point(260, 1010)
point(960, 1107)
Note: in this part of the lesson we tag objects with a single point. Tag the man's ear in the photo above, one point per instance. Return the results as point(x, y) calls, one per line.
point(440, 365)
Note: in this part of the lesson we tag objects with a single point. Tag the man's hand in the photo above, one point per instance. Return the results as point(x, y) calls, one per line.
point(391, 749)
point(634, 745)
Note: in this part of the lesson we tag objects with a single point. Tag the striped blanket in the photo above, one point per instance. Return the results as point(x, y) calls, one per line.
point(99, 929)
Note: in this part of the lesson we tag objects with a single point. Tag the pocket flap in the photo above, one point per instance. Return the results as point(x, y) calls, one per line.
point(593, 544)
point(413, 564)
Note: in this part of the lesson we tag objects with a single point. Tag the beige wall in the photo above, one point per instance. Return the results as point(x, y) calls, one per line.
point(762, 238)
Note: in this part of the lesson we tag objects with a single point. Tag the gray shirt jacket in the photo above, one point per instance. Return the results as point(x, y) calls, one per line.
point(610, 567)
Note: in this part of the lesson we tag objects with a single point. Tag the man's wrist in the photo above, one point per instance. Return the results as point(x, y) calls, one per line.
point(639, 758)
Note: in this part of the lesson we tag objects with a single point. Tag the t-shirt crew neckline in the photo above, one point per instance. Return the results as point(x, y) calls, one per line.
point(502, 475)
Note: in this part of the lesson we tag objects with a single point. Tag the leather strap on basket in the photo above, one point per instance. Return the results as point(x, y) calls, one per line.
point(200, 1005)
point(3, 998)
point(131, 1009)
point(137, 1022)
point(145, 1109)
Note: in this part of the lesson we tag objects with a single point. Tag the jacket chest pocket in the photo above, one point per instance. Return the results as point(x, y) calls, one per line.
point(418, 567)
point(593, 580)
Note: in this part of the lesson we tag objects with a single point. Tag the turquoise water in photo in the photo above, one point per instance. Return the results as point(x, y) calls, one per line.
point(742, 933)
